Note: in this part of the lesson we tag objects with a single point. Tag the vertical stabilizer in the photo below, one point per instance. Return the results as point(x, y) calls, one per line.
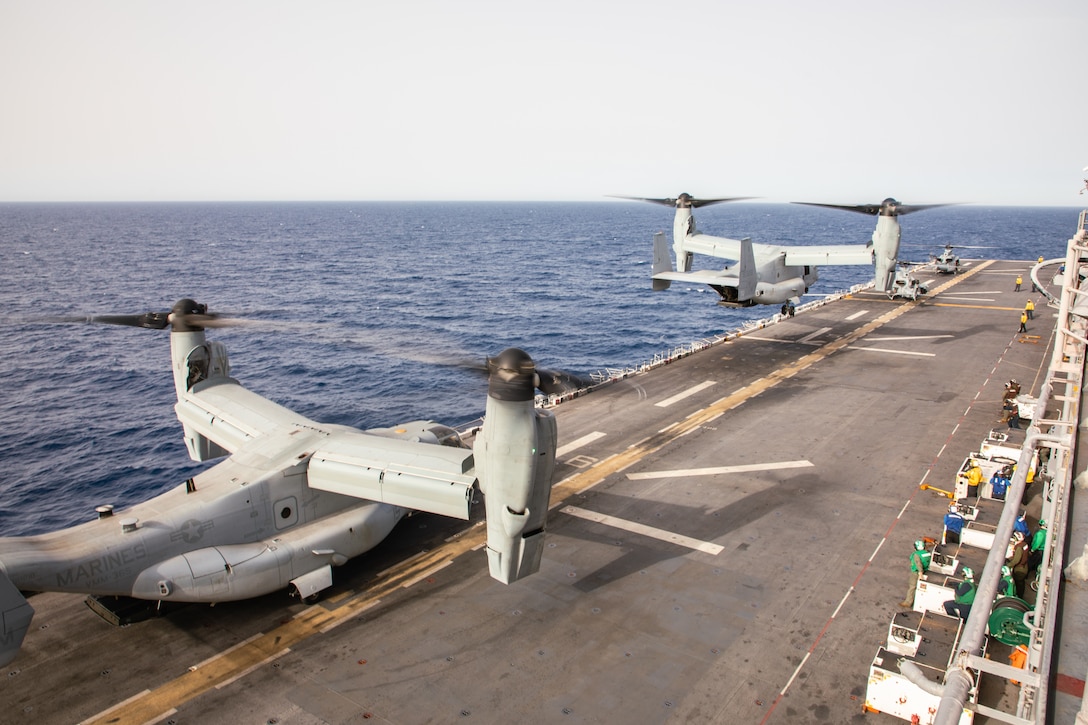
point(746, 272)
point(15, 616)
point(662, 261)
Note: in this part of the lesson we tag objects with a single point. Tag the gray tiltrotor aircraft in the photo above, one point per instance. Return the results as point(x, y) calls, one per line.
point(294, 497)
point(769, 274)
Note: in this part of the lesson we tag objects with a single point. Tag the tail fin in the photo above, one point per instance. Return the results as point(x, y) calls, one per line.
point(746, 272)
point(662, 261)
point(15, 616)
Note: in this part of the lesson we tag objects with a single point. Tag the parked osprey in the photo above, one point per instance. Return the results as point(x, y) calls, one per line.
point(293, 497)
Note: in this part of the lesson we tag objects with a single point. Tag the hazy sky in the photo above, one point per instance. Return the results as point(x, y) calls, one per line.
point(848, 102)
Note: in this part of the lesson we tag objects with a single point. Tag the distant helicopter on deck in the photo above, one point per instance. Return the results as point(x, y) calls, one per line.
point(947, 262)
point(293, 497)
point(766, 273)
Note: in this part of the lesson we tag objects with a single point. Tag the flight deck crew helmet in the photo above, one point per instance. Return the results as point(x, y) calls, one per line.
point(1005, 571)
point(1042, 524)
point(919, 545)
point(967, 573)
point(952, 508)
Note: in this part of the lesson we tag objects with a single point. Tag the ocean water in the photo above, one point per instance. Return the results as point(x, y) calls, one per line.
point(359, 311)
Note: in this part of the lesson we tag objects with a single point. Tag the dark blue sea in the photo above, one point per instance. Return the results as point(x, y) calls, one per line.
point(362, 306)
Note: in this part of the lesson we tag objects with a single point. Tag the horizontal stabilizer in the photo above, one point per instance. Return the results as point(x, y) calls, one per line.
point(702, 276)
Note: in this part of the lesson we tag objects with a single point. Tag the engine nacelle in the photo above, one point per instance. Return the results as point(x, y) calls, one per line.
point(515, 456)
point(195, 359)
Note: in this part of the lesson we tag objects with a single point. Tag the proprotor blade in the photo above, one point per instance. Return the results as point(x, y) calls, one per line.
point(186, 316)
point(888, 207)
point(514, 376)
point(560, 382)
point(148, 320)
point(684, 201)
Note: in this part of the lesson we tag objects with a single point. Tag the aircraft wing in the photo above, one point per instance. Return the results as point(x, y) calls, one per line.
point(421, 476)
point(829, 254)
point(227, 414)
point(702, 276)
point(407, 473)
point(721, 247)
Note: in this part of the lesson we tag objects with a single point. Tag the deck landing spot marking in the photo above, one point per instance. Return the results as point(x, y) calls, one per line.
point(637, 528)
point(908, 337)
point(578, 443)
point(970, 299)
point(680, 396)
point(813, 335)
point(745, 468)
point(858, 314)
point(893, 352)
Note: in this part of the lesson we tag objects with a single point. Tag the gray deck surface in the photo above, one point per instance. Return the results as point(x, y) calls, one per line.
point(744, 595)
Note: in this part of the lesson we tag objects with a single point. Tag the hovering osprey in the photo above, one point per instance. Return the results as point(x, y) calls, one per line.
point(770, 274)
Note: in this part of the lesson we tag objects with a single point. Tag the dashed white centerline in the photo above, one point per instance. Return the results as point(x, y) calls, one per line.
point(642, 529)
point(893, 352)
point(576, 444)
point(814, 335)
point(714, 471)
point(680, 396)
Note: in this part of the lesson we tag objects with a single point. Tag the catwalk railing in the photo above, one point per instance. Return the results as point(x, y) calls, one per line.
point(1054, 432)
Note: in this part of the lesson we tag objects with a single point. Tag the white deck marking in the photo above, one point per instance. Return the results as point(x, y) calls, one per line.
point(910, 337)
point(717, 470)
point(576, 444)
point(856, 315)
point(893, 352)
point(795, 673)
point(642, 529)
point(967, 299)
point(680, 396)
point(121, 704)
point(814, 335)
point(978, 292)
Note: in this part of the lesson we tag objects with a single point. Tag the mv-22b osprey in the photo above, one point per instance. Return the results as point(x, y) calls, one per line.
point(770, 274)
point(294, 497)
